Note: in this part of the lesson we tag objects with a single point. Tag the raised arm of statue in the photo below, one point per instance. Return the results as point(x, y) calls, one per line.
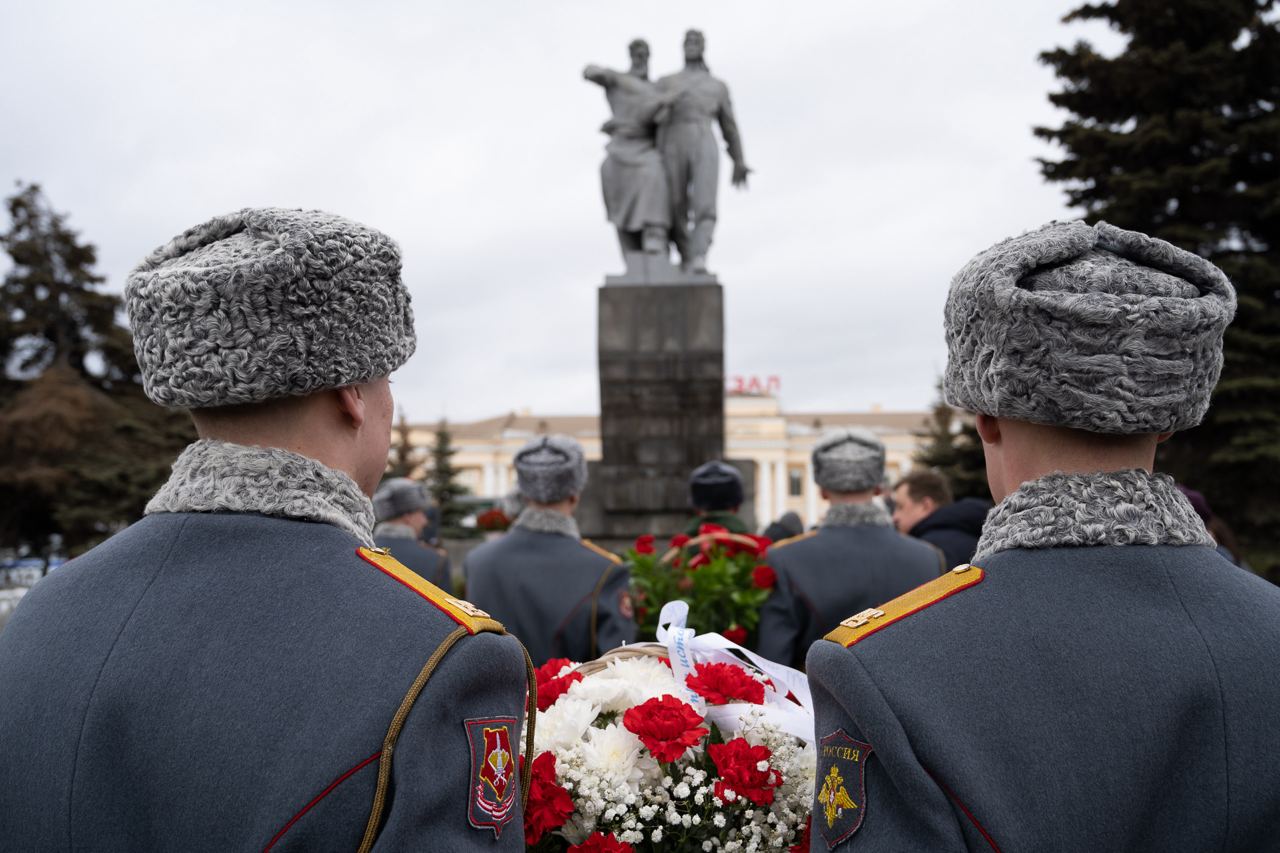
point(599, 74)
point(732, 140)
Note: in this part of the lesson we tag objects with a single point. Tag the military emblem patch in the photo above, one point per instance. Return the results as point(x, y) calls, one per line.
point(492, 790)
point(842, 787)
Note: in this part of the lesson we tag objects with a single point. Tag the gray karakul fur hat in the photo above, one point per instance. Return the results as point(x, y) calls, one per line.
point(849, 460)
point(267, 303)
point(1089, 327)
point(398, 496)
point(551, 469)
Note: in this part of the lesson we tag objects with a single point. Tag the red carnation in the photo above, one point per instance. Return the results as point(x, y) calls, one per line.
point(679, 540)
point(550, 691)
point(598, 842)
point(735, 634)
point(722, 683)
point(644, 544)
point(551, 669)
point(666, 726)
point(549, 804)
point(762, 542)
point(711, 528)
point(698, 561)
point(764, 577)
point(737, 762)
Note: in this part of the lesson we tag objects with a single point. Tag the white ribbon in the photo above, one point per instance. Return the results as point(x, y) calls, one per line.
point(686, 649)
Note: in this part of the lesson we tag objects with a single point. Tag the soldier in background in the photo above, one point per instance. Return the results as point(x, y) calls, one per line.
point(400, 506)
point(1099, 678)
point(240, 670)
point(563, 596)
point(716, 495)
point(853, 561)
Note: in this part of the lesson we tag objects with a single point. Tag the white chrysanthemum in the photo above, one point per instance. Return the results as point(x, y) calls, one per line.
point(564, 723)
point(610, 695)
point(613, 753)
point(646, 678)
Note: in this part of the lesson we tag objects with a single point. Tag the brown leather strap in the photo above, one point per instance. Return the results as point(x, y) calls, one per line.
point(595, 610)
point(393, 734)
point(531, 720)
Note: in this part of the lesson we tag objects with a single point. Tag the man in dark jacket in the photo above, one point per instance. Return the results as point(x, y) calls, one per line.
point(922, 508)
point(854, 560)
point(242, 669)
point(401, 506)
point(563, 596)
point(1098, 678)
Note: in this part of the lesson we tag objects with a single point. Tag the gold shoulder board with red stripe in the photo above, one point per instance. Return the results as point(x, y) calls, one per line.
point(862, 625)
point(609, 555)
point(464, 613)
point(800, 537)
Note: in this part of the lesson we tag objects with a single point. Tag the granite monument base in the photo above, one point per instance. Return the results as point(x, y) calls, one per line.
point(661, 360)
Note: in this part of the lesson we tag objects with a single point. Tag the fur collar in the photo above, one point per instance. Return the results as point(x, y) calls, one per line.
point(854, 515)
point(547, 521)
point(1133, 507)
point(216, 476)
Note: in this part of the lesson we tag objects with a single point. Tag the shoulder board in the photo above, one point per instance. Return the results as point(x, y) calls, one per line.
point(608, 555)
point(862, 625)
point(782, 543)
point(464, 613)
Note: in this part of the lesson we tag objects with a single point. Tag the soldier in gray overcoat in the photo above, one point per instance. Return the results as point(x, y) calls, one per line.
point(242, 669)
point(563, 596)
point(1098, 678)
point(400, 505)
point(854, 560)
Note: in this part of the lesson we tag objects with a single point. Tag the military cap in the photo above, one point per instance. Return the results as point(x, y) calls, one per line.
point(1089, 327)
point(267, 303)
point(550, 469)
point(715, 485)
point(397, 496)
point(850, 460)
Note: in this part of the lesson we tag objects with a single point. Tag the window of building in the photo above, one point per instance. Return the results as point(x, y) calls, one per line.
point(795, 482)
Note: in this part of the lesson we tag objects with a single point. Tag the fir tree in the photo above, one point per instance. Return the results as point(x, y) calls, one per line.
point(81, 448)
point(443, 481)
point(952, 448)
point(1178, 136)
point(404, 455)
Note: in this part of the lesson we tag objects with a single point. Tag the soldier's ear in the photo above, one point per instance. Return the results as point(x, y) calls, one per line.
point(988, 428)
point(351, 404)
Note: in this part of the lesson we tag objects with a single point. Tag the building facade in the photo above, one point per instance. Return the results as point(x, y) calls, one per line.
point(756, 428)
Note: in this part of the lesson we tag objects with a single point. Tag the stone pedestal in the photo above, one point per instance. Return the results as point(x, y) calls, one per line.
point(661, 359)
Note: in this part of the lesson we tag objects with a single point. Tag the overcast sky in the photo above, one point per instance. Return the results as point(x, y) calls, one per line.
point(890, 143)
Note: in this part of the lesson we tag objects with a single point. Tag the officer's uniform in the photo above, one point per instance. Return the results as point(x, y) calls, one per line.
point(562, 596)
point(853, 561)
point(239, 670)
point(716, 492)
point(1096, 680)
point(398, 497)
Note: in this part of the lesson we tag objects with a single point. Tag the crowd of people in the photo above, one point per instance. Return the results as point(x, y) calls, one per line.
point(252, 665)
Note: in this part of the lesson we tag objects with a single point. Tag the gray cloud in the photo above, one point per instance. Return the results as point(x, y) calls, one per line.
point(889, 146)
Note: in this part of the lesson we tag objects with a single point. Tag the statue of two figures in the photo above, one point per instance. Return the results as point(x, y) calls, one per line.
point(662, 169)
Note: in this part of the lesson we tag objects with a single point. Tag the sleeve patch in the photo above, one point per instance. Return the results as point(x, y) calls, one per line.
point(867, 622)
point(462, 612)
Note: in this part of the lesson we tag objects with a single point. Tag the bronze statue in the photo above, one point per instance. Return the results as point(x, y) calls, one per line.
point(635, 186)
point(689, 155)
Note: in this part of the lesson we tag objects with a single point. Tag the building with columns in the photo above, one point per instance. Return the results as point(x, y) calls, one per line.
point(756, 428)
